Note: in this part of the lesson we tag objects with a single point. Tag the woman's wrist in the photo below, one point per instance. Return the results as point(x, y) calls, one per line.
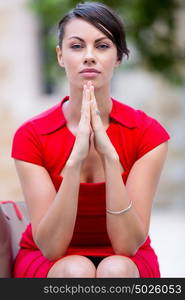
point(73, 162)
point(109, 161)
point(72, 166)
point(111, 157)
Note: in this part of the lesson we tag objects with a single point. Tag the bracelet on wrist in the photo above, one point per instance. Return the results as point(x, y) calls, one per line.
point(120, 211)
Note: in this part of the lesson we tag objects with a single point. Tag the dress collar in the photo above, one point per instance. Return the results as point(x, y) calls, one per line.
point(53, 118)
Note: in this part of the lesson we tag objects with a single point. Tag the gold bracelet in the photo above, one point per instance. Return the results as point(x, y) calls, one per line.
point(120, 211)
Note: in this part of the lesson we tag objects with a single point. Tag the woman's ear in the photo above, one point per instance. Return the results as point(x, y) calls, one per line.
point(59, 56)
point(117, 64)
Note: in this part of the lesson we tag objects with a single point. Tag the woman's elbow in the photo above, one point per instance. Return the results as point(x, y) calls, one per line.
point(48, 251)
point(126, 251)
point(131, 248)
point(52, 255)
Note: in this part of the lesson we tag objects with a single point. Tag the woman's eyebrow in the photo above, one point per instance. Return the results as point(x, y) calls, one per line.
point(97, 40)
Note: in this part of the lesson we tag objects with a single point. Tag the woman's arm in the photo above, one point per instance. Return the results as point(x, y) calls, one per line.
point(52, 214)
point(129, 230)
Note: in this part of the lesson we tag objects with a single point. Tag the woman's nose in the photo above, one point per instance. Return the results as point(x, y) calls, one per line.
point(89, 56)
point(89, 60)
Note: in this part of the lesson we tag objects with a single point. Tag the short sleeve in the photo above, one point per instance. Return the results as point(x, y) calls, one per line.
point(26, 145)
point(151, 135)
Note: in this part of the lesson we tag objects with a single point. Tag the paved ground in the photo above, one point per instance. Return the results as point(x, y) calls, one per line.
point(167, 232)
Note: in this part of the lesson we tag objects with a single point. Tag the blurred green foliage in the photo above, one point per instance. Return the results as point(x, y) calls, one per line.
point(151, 28)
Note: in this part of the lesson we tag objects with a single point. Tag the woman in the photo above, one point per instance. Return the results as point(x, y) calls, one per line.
point(90, 165)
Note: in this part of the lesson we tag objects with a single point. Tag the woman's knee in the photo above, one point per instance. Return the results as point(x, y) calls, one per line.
point(117, 266)
point(73, 266)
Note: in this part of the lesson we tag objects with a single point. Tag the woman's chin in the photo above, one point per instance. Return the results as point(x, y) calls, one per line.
point(95, 83)
point(80, 85)
point(86, 81)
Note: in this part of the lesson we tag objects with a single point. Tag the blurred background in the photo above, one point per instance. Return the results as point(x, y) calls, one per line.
point(152, 79)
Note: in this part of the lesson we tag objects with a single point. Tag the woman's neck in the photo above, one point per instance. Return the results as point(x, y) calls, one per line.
point(72, 108)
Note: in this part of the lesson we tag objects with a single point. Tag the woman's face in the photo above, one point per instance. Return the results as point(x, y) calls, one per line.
point(86, 47)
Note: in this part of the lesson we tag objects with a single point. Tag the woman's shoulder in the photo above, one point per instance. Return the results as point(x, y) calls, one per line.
point(131, 116)
point(45, 122)
point(27, 142)
point(146, 131)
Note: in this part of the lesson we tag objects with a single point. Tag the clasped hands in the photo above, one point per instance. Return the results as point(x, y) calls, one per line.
point(91, 126)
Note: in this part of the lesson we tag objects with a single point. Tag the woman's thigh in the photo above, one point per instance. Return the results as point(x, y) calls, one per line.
point(72, 266)
point(117, 266)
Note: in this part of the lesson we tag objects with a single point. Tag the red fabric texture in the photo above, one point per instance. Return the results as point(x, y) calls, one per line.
point(46, 140)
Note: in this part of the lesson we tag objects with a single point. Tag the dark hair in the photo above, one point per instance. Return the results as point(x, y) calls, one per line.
point(103, 18)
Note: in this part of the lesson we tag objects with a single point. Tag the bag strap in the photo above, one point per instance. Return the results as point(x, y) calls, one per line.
point(16, 208)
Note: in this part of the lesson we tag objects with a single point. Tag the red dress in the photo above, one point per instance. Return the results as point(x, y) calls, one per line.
point(46, 140)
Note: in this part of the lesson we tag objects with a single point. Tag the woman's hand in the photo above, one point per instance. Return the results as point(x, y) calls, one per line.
point(91, 130)
point(102, 142)
point(83, 138)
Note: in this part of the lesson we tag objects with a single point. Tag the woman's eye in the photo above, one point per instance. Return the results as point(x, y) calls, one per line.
point(76, 46)
point(103, 46)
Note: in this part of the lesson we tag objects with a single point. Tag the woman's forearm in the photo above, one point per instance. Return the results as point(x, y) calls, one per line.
point(125, 230)
point(55, 230)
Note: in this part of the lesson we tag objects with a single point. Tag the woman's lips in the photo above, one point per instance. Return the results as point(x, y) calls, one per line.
point(89, 74)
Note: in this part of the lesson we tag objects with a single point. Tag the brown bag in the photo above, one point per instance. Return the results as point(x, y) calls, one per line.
point(13, 221)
